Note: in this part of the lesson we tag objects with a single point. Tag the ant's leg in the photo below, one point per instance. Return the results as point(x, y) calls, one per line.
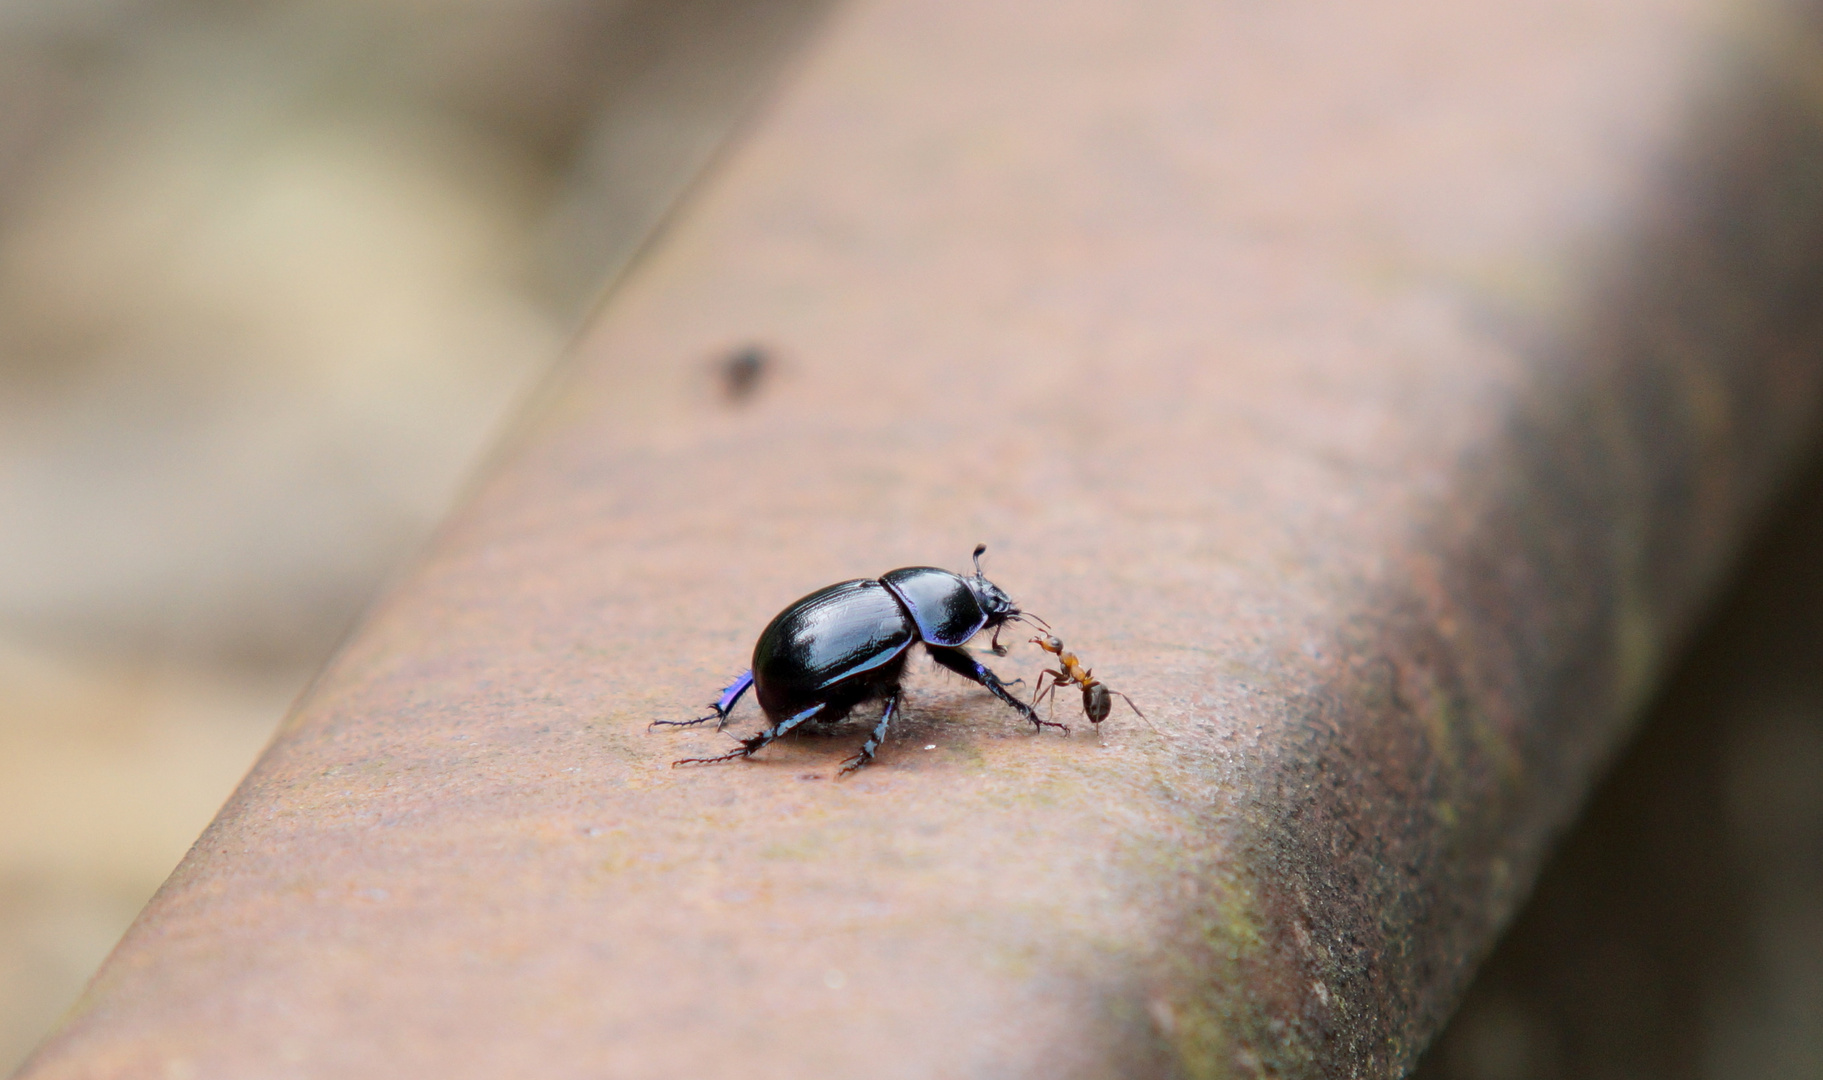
point(750, 746)
point(1058, 679)
point(873, 741)
point(1043, 689)
point(959, 661)
point(723, 706)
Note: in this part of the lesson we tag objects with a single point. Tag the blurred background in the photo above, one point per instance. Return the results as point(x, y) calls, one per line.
point(272, 275)
point(1678, 932)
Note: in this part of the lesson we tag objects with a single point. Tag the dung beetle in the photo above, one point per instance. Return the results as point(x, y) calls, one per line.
point(847, 644)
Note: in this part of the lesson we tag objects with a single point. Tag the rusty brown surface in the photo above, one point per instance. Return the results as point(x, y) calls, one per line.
point(1677, 931)
point(1372, 392)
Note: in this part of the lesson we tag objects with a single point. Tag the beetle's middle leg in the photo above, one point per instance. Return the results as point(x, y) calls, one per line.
point(874, 740)
point(959, 661)
point(752, 745)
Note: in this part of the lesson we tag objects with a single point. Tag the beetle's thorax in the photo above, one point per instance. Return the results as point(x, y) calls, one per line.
point(944, 606)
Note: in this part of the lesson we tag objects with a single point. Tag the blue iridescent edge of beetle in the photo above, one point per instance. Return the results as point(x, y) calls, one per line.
point(847, 643)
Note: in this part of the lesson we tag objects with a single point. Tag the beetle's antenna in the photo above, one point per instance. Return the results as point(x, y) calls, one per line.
point(979, 548)
point(1029, 619)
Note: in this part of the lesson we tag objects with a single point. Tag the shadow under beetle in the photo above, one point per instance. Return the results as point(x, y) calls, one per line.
point(847, 644)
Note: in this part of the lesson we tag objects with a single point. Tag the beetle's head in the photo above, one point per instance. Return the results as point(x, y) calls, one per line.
point(996, 604)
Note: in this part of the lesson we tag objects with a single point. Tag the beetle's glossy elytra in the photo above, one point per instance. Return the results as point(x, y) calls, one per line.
point(835, 635)
point(847, 643)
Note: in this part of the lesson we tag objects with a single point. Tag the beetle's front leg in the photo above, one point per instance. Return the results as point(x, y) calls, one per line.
point(959, 661)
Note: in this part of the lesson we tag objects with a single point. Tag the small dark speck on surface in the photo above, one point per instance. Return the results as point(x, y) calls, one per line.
point(741, 371)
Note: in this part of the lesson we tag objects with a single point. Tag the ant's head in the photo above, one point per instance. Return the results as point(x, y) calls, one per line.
point(1052, 645)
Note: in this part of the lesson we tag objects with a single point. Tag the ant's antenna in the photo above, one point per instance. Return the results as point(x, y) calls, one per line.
point(979, 548)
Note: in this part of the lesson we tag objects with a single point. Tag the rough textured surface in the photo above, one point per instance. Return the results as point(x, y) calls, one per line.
point(1373, 393)
point(1677, 933)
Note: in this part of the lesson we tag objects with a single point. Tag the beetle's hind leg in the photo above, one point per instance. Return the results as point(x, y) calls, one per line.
point(959, 661)
point(874, 740)
point(723, 706)
point(753, 745)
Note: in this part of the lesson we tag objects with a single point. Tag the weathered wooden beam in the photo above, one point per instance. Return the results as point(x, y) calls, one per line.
point(1372, 391)
point(1677, 930)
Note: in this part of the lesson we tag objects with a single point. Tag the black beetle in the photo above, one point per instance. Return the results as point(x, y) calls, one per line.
point(847, 644)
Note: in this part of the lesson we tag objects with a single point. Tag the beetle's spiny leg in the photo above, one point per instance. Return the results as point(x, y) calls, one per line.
point(751, 745)
point(731, 755)
point(723, 706)
point(746, 749)
point(873, 741)
point(731, 696)
point(690, 723)
point(959, 661)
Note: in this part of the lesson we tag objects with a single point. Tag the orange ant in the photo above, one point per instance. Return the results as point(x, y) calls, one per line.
point(1095, 693)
